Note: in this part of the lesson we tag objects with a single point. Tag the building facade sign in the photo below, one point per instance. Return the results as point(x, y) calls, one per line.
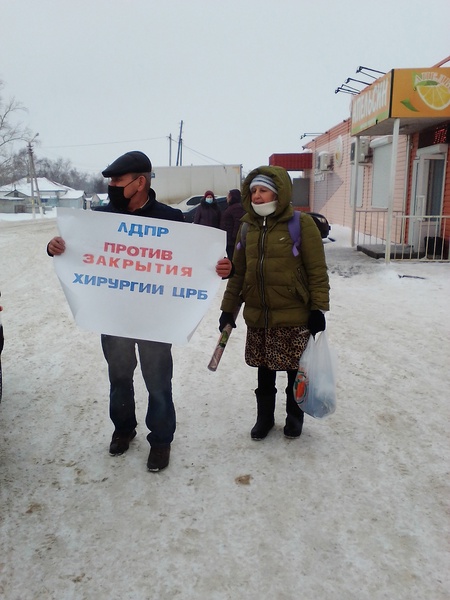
point(421, 93)
point(402, 93)
point(371, 105)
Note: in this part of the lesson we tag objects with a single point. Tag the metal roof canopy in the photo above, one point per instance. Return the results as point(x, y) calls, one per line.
point(407, 126)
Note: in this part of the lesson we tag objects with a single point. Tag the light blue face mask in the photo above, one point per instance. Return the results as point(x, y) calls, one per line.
point(209, 200)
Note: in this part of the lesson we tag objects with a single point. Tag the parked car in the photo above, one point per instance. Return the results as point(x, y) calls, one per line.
point(322, 224)
point(189, 206)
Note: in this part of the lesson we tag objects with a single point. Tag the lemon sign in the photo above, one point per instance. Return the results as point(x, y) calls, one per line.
point(433, 89)
point(426, 93)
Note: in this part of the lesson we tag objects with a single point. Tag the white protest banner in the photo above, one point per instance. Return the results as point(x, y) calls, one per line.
point(137, 277)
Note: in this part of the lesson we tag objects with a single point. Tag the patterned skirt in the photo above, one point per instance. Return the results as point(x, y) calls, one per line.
point(278, 349)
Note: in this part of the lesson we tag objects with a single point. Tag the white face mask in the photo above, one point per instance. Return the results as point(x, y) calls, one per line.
point(264, 210)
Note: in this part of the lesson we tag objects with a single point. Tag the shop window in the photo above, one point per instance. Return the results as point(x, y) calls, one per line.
point(380, 175)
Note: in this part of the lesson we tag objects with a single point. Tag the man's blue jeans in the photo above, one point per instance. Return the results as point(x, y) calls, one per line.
point(157, 368)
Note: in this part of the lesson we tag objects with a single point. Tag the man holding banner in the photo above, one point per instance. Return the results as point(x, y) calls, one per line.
point(129, 192)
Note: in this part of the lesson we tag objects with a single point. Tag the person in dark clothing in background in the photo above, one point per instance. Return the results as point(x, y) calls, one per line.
point(129, 192)
point(231, 219)
point(208, 211)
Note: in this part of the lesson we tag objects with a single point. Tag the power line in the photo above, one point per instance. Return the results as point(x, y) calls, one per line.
point(171, 140)
point(107, 143)
point(220, 162)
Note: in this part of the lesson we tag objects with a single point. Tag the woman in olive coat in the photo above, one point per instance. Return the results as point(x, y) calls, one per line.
point(284, 291)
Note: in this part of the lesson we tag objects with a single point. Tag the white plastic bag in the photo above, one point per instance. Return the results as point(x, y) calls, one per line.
point(315, 384)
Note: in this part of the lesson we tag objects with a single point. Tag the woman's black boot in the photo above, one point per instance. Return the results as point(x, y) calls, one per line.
point(265, 418)
point(295, 415)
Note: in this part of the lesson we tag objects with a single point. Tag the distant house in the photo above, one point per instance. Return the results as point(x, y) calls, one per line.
point(99, 199)
point(18, 196)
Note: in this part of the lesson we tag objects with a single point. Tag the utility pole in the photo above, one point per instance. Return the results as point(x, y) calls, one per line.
point(180, 147)
point(33, 179)
point(170, 149)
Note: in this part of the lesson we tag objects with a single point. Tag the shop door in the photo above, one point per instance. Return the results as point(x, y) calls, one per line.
point(426, 198)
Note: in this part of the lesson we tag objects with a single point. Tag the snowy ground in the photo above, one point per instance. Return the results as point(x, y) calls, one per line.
point(357, 508)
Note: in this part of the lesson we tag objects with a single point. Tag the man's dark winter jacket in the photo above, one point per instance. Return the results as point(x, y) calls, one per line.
point(153, 209)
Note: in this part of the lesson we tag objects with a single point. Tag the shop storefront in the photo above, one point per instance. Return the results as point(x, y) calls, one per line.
point(384, 172)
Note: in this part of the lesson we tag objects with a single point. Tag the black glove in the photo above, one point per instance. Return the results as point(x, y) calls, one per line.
point(316, 322)
point(226, 318)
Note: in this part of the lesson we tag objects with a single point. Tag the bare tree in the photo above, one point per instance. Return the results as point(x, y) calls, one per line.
point(11, 130)
point(18, 166)
point(57, 170)
point(62, 171)
point(14, 164)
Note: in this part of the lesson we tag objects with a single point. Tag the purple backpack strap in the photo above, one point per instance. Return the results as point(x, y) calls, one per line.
point(295, 231)
point(243, 235)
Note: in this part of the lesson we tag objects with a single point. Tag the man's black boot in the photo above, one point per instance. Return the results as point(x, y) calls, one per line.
point(158, 459)
point(120, 442)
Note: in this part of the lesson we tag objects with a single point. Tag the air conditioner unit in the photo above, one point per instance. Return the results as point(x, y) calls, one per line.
point(324, 161)
point(364, 150)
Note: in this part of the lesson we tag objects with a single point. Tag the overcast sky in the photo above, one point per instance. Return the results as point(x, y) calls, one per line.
point(246, 77)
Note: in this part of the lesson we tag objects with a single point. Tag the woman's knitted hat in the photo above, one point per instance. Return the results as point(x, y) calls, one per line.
point(264, 181)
